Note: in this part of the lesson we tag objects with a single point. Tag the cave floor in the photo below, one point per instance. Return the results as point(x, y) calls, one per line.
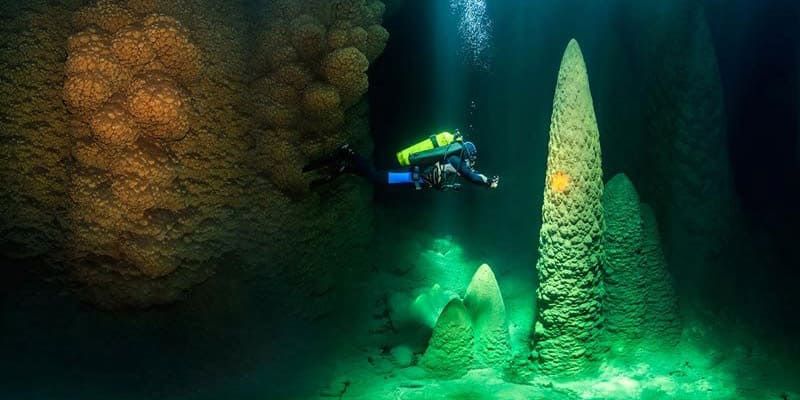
point(691, 370)
point(718, 357)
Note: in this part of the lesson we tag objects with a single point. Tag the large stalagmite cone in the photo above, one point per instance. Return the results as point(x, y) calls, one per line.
point(484, 302)
point(624, 304)
point(449, 352)
point(663, 320)
point(568, 312)
point(690, 184)
point(700, 181)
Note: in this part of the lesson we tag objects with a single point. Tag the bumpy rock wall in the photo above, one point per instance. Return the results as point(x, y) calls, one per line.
point(624, 303)
point(33, 123)
point(139, 164)
point(153, 88)
point(308, 80)
point(126, 77)
point(311, 63)
point(569, 316)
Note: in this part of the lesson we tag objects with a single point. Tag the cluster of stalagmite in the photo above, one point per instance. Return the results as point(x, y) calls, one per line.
point(623, 261)
point(472, 333)
point(588, 229)
point(569, 315)
point(449, 352)
point(314, 57)
point(640, 301)
point(662, 316)
point(488, 311)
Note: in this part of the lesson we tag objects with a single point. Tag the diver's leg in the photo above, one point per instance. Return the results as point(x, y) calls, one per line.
point(406, 177)
point(346, 160)
point(317, 164)
point(363, 167)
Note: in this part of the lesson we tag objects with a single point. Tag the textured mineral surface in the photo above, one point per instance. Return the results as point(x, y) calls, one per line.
point(154, 144)
point(663, 321)
point(569, 314)
point(623, 261)
point(484, 302)
point(690, 185)
point(449, 353)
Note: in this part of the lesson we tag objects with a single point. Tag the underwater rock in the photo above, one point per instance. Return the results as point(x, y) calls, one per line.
point(623, 262)
point(449, 352)
point(402, 356)
point(570, 240)
point(484, 302)
point(663, 320)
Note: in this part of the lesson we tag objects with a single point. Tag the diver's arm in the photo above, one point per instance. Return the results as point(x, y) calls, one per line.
point(470, 174)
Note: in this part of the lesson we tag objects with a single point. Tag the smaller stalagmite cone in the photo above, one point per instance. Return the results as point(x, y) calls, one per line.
point(663, 317)
point(624, 304)
point(449, 353)
point(484, 302)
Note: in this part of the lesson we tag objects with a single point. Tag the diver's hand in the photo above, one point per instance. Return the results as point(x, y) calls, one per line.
point(494, 182)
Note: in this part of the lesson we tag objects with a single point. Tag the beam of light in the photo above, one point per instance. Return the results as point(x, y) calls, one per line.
point(475, 29)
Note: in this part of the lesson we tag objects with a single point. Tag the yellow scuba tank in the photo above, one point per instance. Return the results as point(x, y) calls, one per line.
point(438, 145)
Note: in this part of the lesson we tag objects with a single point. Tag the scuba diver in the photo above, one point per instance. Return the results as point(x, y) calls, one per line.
point(435, 163)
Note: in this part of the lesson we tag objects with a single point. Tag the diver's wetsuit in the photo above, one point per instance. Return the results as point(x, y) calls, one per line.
point(435, 176)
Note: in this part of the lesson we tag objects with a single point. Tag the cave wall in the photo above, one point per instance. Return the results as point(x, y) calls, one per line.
point(147, 145)
point(34, 121)
point(307, 83)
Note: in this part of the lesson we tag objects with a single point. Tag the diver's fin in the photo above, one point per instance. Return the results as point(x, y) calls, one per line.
point(316, 183)
point(318, 164)
point(332, 175)
point(331, 160)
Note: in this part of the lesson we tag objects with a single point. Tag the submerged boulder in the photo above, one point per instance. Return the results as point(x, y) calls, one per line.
point(484, 302)
point(569, 315)
point(624, 304)
point(449, 353)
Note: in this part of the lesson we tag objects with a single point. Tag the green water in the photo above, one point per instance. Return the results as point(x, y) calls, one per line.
point(338, 293)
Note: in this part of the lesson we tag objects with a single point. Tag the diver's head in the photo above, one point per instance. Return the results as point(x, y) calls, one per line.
point(470, 152)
